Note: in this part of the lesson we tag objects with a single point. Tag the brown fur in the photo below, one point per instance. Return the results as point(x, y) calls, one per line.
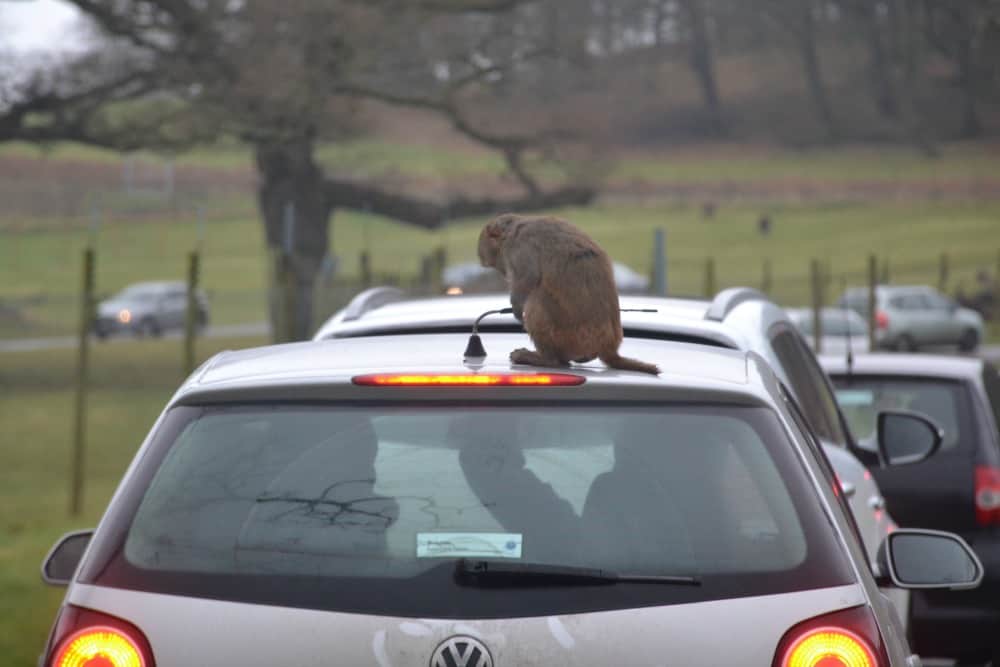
point(561, 287)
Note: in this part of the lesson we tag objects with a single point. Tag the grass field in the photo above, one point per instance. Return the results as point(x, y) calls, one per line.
point(131, 382)
point(41, 272)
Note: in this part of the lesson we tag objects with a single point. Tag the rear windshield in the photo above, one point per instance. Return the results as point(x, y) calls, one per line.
point(945, 402)
point(369, 508)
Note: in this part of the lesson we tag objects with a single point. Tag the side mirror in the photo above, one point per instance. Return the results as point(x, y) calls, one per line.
point(60, 565)
point(913, 558)
point(906, 437)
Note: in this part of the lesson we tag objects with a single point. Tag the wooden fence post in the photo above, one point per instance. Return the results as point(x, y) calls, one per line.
point(885, 272)
point(766, 281)
point(710, 278)
point(191, 317)
point(364, 262)
point(82, 368)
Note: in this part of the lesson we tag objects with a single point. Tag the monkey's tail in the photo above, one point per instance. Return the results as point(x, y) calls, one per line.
point(614, 360)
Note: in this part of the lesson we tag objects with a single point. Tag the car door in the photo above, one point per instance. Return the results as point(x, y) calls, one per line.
point(917, 318)
point(935, 493)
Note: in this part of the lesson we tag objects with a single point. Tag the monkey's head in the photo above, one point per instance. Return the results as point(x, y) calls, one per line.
point(491, 240)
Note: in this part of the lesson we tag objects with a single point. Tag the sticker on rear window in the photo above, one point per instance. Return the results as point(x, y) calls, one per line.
point(850, 397)
point(465, 545)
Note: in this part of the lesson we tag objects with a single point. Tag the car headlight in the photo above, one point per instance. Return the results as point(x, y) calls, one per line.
point(124, 316)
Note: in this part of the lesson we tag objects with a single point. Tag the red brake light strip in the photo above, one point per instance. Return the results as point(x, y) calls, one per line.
point(468, 380)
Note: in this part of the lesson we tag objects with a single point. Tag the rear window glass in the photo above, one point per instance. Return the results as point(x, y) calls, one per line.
point(862, 399)
point(389, 498)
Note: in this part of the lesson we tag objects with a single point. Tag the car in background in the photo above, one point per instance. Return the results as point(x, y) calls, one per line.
point(840, 327)
point(738, 318)
point(957, 490)
point(910, 317)
point(149, 309)
point(380, 500)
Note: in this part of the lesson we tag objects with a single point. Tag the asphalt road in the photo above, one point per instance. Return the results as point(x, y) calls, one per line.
point(63, 342)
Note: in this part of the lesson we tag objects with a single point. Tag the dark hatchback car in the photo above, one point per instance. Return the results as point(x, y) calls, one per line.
point(956, 490)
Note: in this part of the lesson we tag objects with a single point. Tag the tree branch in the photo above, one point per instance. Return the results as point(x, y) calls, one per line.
point(431, 214)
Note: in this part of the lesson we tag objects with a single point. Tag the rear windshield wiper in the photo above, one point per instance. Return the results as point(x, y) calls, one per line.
point(494, 572)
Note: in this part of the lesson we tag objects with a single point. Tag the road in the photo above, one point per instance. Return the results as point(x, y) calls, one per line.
point(64, 342)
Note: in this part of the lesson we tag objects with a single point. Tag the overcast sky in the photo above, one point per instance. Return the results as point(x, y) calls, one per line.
point(31, 25)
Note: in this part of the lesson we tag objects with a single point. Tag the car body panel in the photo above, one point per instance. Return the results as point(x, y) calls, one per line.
point(185, 631)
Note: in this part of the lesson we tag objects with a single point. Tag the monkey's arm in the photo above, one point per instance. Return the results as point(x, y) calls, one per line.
point(525, 274)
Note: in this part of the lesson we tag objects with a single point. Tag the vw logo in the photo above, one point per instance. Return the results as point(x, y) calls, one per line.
point(461, 651)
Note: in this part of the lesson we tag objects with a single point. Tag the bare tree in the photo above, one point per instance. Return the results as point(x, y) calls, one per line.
point(284, 77)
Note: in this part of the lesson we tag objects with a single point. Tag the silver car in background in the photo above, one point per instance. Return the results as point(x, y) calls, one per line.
point(381, 501)
point(910, 317)
point(149, 309)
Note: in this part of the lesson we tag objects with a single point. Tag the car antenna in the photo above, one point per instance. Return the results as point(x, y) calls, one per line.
point(850, 347)
point(475, 347)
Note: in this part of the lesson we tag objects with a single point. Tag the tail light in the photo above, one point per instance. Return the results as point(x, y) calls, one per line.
point(987, 495)
point(87, 638)
point(881, 319)
point(848, 638)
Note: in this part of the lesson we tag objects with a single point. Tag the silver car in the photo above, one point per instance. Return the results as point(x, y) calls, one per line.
point(910, 317)
point(738, 318)
point(149, 309)
point(381, 501)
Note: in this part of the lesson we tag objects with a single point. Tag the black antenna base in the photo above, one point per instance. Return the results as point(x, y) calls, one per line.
point(475, 347)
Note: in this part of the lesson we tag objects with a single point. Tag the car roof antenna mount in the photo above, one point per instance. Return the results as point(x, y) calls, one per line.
point(475, 349)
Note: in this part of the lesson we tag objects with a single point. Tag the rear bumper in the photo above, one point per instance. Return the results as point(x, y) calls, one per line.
point(961, 624)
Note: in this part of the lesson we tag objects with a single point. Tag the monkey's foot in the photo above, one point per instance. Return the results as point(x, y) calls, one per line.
point(523, 355)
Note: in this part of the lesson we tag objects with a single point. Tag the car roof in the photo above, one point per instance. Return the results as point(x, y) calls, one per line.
point(458, 313)
point(705, 370)
point(915, 365)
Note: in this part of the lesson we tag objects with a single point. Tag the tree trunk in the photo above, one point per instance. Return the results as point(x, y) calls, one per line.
point(971, 126)
point(814, 77)
point(885, 96)
point(294, 208)
point(703, 63)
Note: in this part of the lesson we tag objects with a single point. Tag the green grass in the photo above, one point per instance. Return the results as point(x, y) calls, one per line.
point(368, 157)
point(41, 272)
point(130, 384)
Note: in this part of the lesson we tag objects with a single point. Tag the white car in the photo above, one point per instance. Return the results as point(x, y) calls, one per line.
point(381, 501)
point(738, 318)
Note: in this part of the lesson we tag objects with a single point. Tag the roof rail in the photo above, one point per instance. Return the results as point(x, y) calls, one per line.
point(729, 298)
point(370, 299)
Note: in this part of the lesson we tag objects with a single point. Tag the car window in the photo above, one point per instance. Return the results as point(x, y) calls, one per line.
point(862, 398)
point(936, 301)
point(808, 384)
point(912, 302)
point(391, 497)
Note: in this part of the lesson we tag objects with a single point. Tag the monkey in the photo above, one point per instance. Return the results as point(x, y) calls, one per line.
point(562, 289)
